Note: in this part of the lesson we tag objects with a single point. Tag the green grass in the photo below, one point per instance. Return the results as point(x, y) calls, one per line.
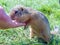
point(19, 36)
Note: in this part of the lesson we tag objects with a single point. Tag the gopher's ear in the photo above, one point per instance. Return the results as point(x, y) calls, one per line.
point(22, 9)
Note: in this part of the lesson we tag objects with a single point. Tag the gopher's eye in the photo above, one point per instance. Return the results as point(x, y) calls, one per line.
point(16, 12)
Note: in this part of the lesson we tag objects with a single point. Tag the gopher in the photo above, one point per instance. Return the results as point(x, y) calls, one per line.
point(37, 22)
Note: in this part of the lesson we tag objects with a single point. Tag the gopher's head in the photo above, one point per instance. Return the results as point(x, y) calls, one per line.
point(20, 14)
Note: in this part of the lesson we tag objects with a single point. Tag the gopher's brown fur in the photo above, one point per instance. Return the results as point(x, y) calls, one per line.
point(39, 25)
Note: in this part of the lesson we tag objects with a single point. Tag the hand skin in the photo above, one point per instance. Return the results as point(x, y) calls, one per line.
point(6, 21)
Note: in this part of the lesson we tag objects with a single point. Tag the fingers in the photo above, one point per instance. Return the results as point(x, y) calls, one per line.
point(2, 12)
point(1, 8)
point(21, 24)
